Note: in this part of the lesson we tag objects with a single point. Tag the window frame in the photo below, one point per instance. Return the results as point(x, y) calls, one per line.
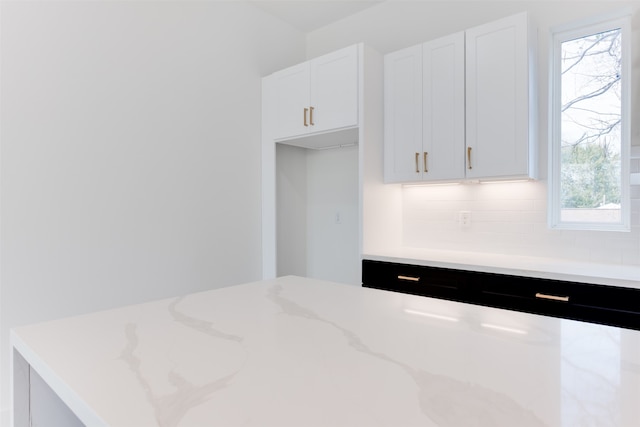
point(622, 20)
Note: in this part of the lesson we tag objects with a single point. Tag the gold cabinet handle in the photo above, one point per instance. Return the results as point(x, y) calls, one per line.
point(425, 161)
point(417, 160)
point(305, 116)
point(311, 116)
point(552, 297)
point(409, 278)
point(469, 157)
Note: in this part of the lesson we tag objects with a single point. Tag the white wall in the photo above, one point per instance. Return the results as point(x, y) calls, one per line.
point(291, 208)
point(506, 218)
point(333, 250)
point(312, 187)
point(130, 152)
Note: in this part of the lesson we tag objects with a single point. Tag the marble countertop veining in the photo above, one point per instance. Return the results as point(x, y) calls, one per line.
point(528, 266)
point(302, 352)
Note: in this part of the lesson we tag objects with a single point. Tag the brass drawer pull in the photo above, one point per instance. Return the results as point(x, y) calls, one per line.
point(469, 157)
point(425, 161)
point(409, 278)
point(417, 165)
point(552, 297)
point(311, 116)
point(305, 116)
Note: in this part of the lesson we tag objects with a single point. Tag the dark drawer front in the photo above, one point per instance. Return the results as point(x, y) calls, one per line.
point(527, 294)
point(609, 305)
point(573, 300)
point(413, 279)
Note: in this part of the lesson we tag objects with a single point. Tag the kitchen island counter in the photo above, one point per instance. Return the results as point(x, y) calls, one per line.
point(303, 352)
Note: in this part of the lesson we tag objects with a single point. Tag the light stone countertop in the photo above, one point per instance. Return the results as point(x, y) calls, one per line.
point(302, 352)
point(545, 268)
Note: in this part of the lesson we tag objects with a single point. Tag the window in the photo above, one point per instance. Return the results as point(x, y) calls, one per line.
point(589, 150)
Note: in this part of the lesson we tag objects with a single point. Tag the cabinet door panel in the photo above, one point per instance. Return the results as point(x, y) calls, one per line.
point(403, 115)
point(291, 98)
point(498, 98)
point(334, 90)
point(443, 108)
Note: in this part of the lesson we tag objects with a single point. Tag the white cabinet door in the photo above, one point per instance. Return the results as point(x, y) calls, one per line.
point(497, 99)
point(334, 90)
point(443, 129)
point(291, 92)
point(403, 115)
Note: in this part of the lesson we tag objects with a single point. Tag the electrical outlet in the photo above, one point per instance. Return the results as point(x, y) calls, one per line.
point(464, 219)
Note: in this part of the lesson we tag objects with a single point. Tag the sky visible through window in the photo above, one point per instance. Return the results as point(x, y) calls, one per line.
point(590, 186)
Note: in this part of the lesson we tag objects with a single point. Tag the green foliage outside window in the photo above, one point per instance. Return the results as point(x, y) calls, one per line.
point(590, 176)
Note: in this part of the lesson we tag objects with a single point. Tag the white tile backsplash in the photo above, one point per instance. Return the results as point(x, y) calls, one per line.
point(509, 218)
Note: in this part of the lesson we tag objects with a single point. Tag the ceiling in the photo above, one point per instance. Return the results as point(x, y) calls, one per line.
point(309, 15)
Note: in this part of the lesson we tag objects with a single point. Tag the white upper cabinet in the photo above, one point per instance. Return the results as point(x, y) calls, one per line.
point(461, 107)
point(424, 111)
point(403, 115)
point(443, 127)
point(500, 140)
point(291, 100)
point(334, 90)
point(319, 95)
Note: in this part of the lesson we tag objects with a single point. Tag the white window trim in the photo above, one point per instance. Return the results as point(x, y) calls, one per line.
point(620, 19)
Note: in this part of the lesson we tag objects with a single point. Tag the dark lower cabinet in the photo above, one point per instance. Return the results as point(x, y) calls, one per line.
point(610, 305)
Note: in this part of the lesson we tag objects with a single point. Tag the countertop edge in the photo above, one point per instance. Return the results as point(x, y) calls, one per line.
point(70, 398)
